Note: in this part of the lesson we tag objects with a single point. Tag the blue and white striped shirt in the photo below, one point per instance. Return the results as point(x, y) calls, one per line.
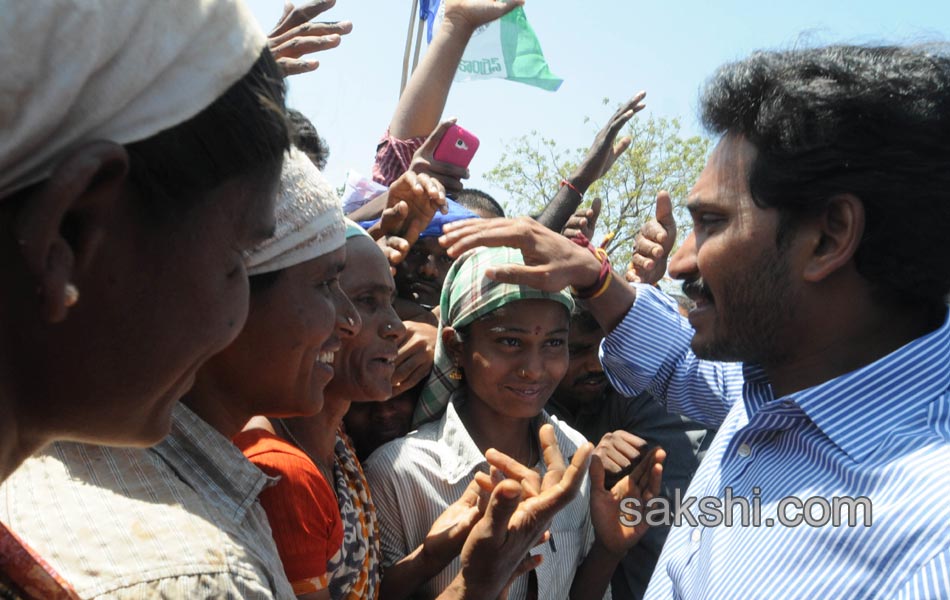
point(881, 432)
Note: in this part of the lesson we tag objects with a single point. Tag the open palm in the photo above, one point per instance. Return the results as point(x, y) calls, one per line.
point(643, 484)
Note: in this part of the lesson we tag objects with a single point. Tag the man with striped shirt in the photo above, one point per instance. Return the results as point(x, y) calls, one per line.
point(820, 263)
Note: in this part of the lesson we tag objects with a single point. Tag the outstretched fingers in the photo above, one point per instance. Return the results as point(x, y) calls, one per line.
point(626, 112)
point(529, 479)
point(544, 506)
point(294, 16)
point(461, 236)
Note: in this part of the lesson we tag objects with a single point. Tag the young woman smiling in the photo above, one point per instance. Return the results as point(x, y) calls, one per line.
point(501, 353)
point(321, 512)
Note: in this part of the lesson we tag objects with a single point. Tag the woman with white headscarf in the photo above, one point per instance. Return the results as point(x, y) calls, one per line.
point(128, 190)
point(194, 493)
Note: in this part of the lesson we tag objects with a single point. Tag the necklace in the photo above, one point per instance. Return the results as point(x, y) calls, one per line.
point(532, 461)
point(324, 470)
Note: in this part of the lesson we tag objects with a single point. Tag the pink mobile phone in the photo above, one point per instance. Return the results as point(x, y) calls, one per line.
point(457, 147)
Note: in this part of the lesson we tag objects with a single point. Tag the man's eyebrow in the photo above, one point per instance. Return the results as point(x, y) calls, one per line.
point(695, 203)
point(376, 288)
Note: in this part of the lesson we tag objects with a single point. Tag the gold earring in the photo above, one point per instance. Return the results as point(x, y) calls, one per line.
point(455, 374)
point(72, 296)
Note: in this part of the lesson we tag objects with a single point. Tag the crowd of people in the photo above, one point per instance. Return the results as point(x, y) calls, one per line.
point(220, 380)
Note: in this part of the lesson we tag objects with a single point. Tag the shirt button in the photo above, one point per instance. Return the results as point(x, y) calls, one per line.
point(696, 535)
point(744, 450)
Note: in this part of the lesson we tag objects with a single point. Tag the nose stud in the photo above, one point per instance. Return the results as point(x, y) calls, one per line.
point(351, 321)
point(71, 296)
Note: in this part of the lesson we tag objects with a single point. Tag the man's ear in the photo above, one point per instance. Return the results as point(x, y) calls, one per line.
point(61, 222)
point(837, 235)
point(452, 343)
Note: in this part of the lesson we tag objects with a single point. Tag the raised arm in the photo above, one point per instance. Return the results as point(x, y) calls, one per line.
point(422, 102)
point(603, 153)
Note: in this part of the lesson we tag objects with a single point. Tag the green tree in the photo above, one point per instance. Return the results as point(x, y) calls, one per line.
point(659, 158)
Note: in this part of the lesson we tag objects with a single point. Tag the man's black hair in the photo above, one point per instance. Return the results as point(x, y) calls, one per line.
point(304, 136)
point(583, 318)
point(477, 200)
point(869, 121)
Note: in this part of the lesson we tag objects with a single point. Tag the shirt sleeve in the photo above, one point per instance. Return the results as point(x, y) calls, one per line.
point(303, 516)
point(650, 351)
point(393, 156)
point(930, 582)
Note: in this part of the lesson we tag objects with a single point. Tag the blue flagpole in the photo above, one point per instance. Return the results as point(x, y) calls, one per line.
point(405, 56)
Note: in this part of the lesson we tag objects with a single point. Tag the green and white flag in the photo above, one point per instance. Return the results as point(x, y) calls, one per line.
point(503, 49)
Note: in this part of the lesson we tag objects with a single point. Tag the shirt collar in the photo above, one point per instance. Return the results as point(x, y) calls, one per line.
point(856, 410)
point(463, 457)
point(210, 464)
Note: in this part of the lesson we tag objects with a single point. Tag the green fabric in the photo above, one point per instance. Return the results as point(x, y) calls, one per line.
point(468, 295)
point(353, 229)
point(524, 60)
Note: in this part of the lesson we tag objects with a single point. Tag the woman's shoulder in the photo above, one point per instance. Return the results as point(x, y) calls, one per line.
point(273, 454)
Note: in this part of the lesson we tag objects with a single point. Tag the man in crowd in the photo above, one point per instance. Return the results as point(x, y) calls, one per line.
point(622, 427)
point(819, 259)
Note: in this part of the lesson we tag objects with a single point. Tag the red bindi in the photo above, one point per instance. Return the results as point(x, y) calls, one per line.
point(537, 331)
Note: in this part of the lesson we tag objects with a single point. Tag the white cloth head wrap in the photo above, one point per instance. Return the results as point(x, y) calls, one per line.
point(309, 219)
point(75, 71)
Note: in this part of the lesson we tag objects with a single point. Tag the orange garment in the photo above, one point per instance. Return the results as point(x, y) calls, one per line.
point(23, 574)
point(301, 508)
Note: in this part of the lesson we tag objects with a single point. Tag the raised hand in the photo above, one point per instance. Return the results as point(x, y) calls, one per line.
point(654, 244)
point(531, 481)
point(583, 221)
point(602, 155)
point(449, 175)
point(643, 484)
point(440, 546)
point(513, 523)
point(423, 196)
point(619, 451)
point(472, 14)
point(605, 151)
point(449, 532)
point(384, 231)
point(295, 36)
point(394, 249)
point(415, 356)
point(552, 262)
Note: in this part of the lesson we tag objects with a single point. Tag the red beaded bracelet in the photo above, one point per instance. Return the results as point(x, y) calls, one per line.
point(572, 186)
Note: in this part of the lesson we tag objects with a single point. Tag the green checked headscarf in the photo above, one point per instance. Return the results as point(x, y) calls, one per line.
point(466, 296)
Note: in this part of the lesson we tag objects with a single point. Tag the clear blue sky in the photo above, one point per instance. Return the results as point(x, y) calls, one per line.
point(601, 48)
